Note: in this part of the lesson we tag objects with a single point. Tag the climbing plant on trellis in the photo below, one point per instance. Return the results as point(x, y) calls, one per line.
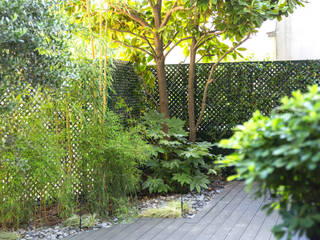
point(239, 89)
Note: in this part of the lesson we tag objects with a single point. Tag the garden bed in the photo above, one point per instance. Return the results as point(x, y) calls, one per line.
point(196, 201)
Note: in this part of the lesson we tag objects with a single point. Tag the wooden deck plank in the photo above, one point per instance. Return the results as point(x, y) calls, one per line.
point(157, 229)
point(279, 220)
point(213, 220)
point(264, 232)
point(235, 185)
point(245, 220)
point(128, 230)
point(146, 227)
point(182, 228)
point(181, 231)
point(231, 215)
point(254, 226)
point(230, 221)
point(104, 234)
point(168, 231)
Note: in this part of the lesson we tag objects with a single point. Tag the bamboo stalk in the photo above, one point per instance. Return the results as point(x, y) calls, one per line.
point(45, 212)
point(89, 21)
point(58, 208)
point(105, 100)
point(69, 137)
point(41, 207)
point(100, 48)
point(104, 88)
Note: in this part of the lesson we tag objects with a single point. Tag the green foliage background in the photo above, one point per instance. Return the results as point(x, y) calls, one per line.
point(32, 42)
point(58, 140)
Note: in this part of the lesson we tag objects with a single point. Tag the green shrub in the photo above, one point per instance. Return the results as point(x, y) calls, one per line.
point(33, 46)
point(281, 153)
point(30, 158)
point(110, 159)
point(177, 164)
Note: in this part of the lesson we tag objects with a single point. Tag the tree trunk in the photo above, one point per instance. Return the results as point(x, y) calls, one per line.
point(160, 62)
point(191, 80)
point(162, 84)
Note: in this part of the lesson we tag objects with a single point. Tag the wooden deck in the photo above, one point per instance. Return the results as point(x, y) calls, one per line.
point(232, 215)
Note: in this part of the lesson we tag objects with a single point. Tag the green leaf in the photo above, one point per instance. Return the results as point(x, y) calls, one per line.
point(182, 178)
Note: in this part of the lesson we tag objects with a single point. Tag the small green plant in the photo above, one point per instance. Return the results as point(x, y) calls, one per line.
point(170, 210)
point(9, 236)
point(87, 221)
point(90, 220)
point(281, 154)
point(73, 221)
point(177, 164)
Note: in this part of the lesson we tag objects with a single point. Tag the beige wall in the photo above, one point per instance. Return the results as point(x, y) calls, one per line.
point(298, 36)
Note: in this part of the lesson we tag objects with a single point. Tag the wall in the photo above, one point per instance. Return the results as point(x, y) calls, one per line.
point(297, 36)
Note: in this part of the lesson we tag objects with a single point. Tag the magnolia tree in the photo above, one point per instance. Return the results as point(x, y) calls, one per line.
point(214, 23)
point(211, 29)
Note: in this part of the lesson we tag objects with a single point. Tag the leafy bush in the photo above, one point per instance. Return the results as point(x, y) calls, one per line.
point(177, 165)
point(281, 154)
point(110, 157)
point(30, 156)
point(32, 35)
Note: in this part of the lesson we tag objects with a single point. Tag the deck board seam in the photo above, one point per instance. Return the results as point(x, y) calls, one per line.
point(226, 218)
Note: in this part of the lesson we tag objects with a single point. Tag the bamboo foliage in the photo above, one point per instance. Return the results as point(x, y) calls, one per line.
point(63, 143)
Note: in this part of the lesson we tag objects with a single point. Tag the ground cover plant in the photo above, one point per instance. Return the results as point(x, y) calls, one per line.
point(281, 154)
point(170, 210)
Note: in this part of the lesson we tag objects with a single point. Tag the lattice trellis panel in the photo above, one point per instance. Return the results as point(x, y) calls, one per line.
point(238, 90)
point(125, 85)
point(32, 188)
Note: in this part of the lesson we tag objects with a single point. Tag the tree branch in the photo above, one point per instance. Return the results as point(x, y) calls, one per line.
point(211, 35)
point(129, 32)
point(176, 44)
point(151, 3)
point(170, 12)
point(170, 41)
point(153, 50)
point(149, 93)
point(211, 79)
point(136, 47)
point(132, 14)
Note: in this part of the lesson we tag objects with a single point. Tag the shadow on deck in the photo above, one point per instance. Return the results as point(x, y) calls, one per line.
point(232, 215)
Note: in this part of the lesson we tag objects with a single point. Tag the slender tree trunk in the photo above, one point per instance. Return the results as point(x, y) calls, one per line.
point(191, 80)
point(162, 84)
point(160, 62)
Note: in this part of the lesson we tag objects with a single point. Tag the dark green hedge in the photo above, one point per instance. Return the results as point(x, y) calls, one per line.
point(240, 88)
